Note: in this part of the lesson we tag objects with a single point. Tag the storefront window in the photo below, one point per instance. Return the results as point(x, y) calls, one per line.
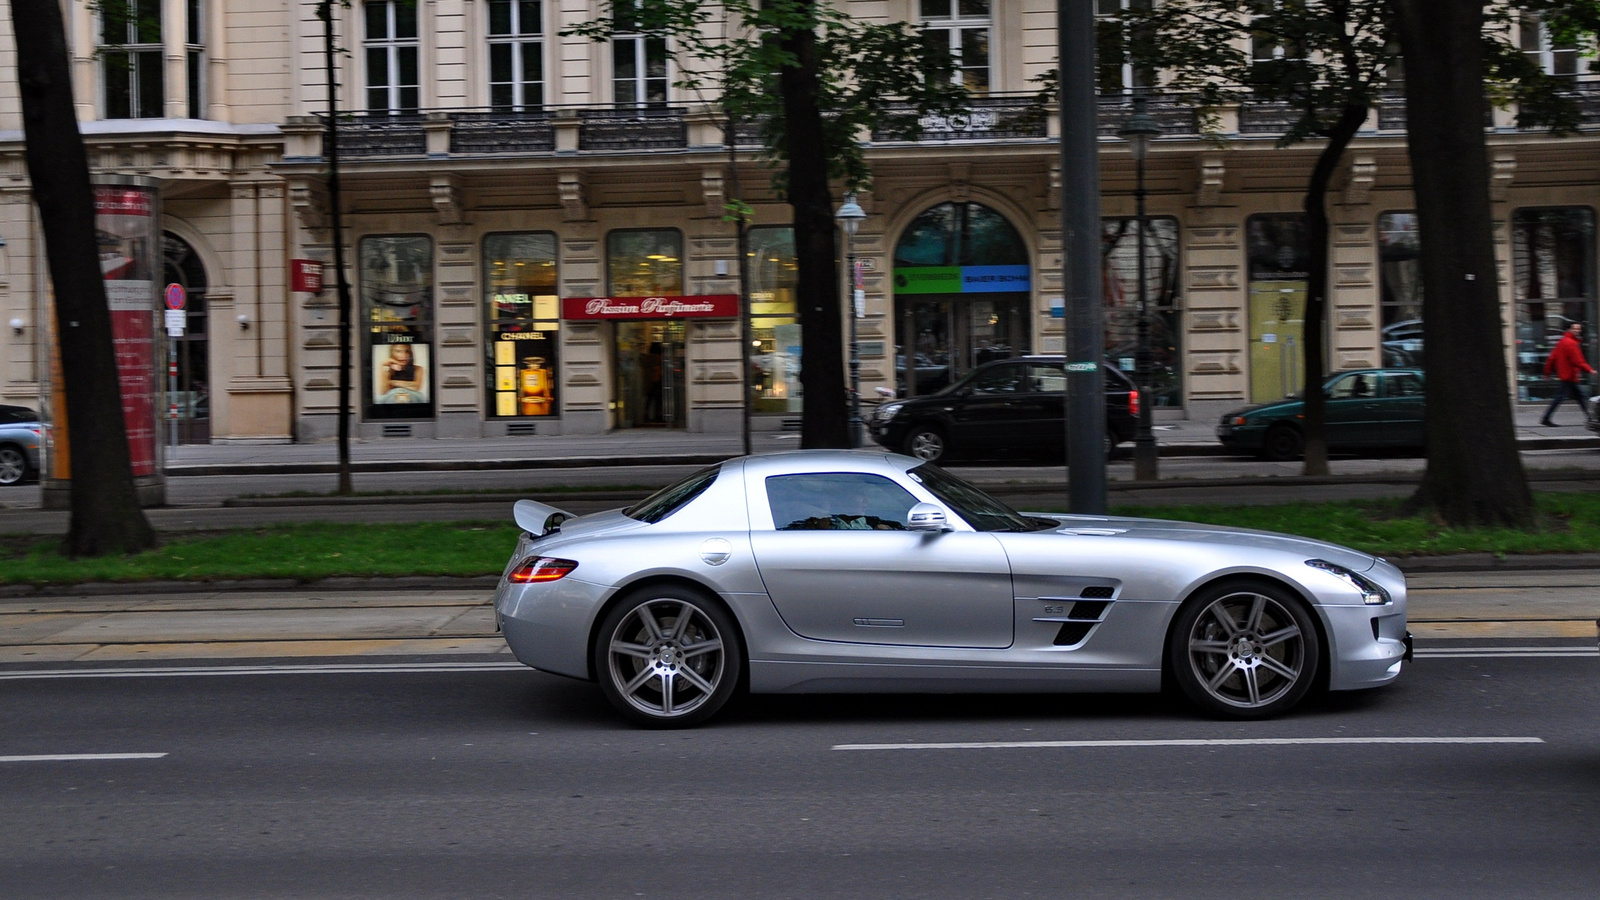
point(397, 307)
point(645, 263)
point(1279, 256)
point(774, 327)
point(1119, 255)
point(1400, 286)
point(1553, 258)
point(522, 314)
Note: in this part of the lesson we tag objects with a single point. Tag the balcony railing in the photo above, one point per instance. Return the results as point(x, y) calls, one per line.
point(985, 119)
point(501, 131)
point(1176, 115)
point(382, 135)
point(644, 128)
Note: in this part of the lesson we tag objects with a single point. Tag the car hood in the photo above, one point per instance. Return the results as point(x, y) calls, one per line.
point(1163, 529)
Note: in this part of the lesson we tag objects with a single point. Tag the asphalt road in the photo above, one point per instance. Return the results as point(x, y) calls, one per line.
point(516, 784)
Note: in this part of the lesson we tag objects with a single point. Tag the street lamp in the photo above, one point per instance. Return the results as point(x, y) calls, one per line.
point(1138, 131)
point(849, 216)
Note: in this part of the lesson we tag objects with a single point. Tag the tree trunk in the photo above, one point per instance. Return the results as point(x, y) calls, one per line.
point(824, 419)
point(1474, 475)
point(106, 517)
point(1316, 315)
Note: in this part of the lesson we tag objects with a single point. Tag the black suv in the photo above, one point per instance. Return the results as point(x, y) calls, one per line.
point(1007, 408)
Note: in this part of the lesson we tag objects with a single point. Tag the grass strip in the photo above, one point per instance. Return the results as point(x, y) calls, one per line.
point(1568, 523)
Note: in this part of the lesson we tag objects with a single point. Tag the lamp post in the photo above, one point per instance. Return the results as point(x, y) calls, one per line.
point(849, 216)
point(1138, 131)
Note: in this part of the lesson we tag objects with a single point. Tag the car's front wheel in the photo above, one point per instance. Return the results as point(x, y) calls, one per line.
point(1244, 649)
point(1283, 442)
point(926, 444)
point(668, 657)
point(13, 464)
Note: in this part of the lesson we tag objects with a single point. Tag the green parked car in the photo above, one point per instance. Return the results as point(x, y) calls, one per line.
point(1366, 409)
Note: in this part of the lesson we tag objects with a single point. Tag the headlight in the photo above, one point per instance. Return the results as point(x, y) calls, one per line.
point(887, 411)
point(1372, 593)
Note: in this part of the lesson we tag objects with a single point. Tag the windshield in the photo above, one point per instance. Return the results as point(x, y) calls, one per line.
point(981, 511)
point(671, 498)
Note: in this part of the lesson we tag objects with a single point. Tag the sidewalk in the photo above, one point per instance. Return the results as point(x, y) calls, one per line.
point(1175, 437)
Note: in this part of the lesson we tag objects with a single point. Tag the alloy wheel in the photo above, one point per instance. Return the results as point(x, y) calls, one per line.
point(13, 465)
point(926, 445)
point(1247, 650)
point(667, 659)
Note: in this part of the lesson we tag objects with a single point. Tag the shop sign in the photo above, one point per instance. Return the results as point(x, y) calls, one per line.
point(305, 276)
point(702, 306)
point(961, 279)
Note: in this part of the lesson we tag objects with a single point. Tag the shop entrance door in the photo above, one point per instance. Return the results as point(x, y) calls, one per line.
point(648, 389)
point(1277, 321)
point(950, 335)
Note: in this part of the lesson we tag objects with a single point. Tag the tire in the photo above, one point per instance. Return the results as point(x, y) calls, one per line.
point(1283, 442)
point(13, 464)
point(927, 444)
point(1244, 650)
point(668, 657)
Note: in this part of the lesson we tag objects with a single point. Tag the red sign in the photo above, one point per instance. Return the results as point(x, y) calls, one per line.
point(305, 276)
point(703, 306)
point(175, 296)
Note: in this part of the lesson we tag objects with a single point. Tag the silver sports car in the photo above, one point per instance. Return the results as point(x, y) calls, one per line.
point(857, 571)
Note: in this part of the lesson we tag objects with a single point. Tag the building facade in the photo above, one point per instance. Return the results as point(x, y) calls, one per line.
point(536, 241)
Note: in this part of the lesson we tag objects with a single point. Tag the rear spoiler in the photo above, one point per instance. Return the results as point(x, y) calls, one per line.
point(538, 519)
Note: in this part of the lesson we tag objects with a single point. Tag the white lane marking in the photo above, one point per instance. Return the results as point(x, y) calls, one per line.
point(75, 757)
point(302, 669)
point(1190, 742)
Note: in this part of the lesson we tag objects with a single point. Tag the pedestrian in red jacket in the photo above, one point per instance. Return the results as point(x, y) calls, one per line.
point(1566, 362)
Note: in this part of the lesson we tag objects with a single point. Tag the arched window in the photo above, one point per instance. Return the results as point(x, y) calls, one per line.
point(181, 266)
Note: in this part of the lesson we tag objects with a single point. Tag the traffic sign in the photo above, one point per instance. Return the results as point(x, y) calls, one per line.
point(175, 295)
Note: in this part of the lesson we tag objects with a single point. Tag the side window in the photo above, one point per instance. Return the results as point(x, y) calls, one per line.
point(1047, 379)
point(837, 501)
point(1403, 384)
point(1000, 380)
point(1351, 387)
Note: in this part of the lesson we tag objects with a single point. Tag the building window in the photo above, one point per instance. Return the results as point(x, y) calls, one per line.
point(1119, 256)
point(391, 48)
point(1116, 72)
point(774, 324)
point(961, 27)
point(130, 59)
point(397, 309)
point(638, 62)
point(1553, 260)
point(1551, 58)
point(523, 316)
point(516, 55)
point(195, 54)
point(1278, 252)
point(1399, 289)
point(645, 263)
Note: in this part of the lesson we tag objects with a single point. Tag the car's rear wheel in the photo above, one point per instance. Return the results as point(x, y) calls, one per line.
point(13, 464)
point(668, 657)
point(927, 444)
point(1244, 650)
point(1283, 442)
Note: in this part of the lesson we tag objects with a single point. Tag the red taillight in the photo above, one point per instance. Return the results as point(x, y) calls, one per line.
point(542, 568)
point(1133, 403)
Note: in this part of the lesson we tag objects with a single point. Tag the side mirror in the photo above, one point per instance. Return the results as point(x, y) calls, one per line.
point(928, 518)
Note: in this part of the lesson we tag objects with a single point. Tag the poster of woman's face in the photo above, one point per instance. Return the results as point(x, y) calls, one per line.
point(400, 373)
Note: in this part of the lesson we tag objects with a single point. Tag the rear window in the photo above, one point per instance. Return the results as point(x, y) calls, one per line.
point(672, 498)
point(17, 414)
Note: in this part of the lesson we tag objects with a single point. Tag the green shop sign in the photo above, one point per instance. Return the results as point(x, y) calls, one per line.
point(961, 279)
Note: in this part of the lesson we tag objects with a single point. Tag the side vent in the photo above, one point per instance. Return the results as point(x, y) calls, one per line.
point(397, 431)
point(1072, 633)
point(1098, 592)
point(1088, 610)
